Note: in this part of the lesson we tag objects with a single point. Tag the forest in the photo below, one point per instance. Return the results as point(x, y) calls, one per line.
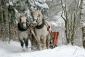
point(72, 12)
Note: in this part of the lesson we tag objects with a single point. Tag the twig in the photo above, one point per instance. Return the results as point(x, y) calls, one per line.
point(75, 51)
point(63, 18)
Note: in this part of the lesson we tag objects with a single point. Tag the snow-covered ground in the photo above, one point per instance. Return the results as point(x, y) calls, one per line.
point(14, 50)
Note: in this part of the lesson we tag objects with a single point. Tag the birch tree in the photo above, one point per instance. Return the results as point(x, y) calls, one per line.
point(70, 21)
point(82, 22)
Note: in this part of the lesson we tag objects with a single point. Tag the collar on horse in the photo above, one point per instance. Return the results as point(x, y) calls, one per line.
point(41, 26)
point(21, 28)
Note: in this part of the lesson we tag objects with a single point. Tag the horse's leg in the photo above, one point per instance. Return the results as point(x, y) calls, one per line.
point(22, 43)
point(44, 43)
point(48, 41)
point(32, 42)
point(40, 46)
point(26, 43)
point(39, 43)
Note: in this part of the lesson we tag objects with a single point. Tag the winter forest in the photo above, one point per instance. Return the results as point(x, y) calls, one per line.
point(67, 17)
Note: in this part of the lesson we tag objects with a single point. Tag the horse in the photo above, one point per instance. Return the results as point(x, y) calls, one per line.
point(23, 29)
point(41, 30)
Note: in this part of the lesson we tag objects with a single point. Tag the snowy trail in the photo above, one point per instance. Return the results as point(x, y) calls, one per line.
point(14, 50)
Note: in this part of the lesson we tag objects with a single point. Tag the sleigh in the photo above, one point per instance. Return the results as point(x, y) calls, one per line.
point(54, 39)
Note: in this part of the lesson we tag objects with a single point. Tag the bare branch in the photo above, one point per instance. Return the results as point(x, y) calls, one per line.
point(63, 17)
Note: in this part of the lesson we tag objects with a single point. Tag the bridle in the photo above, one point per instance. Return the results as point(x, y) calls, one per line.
point(20, 25)
point(41, 25)
point(40, 22)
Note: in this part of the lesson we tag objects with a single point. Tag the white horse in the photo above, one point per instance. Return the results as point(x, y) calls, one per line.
point(43, 35)
point(23, 28)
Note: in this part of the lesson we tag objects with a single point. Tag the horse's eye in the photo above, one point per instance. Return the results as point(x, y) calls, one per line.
point(39, 15)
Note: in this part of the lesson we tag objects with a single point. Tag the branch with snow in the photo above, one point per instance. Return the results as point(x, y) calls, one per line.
point(44, 5)
point(83, 24)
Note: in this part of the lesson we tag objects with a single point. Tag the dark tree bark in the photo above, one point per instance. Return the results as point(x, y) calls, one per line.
point(81, 21)
point(83, 36)
point(6, 20)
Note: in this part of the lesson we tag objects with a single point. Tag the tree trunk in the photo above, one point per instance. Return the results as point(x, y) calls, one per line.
point(83, 36)
point(2, 19)
point(6, 19)
point(70, 22)
point(81, 18)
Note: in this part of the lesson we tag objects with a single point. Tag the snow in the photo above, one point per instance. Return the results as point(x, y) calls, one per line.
point(10, 3)
point(84, 1)
point(48, 0)
point(83, 24)
point(57, 22)
point(43, 1)
point(14, 50)
point(58, 25)
point(44, 5)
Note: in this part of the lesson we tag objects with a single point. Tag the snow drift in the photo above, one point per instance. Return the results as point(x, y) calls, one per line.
point(14, 50)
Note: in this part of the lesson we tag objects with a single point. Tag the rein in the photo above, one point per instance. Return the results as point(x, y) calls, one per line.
point(32, 31)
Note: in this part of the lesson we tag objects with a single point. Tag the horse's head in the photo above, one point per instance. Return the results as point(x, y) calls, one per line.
point(37, 17)
point(23, 19)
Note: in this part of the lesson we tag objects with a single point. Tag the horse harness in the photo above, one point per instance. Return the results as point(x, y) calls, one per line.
point(41, 26)
point(20, 27)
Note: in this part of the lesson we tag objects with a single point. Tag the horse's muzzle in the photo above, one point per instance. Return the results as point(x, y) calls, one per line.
point(24, 26)
point(34, 23)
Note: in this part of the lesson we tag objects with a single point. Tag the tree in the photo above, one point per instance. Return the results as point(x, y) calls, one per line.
point(82, 22)
point(6, 19)
point(9, 13)
point(1, 20)
point(71, 22)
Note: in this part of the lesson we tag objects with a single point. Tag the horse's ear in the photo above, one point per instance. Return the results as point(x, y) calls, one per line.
point(19, 19)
